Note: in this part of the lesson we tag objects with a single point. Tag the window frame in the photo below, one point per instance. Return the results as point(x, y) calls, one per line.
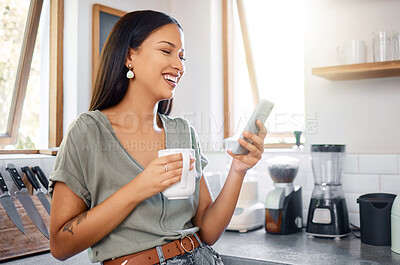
point(55, 77)
point(227, 57)
point(56, 73)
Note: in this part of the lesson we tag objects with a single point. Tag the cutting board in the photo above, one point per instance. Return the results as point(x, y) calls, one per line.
point(13, 243)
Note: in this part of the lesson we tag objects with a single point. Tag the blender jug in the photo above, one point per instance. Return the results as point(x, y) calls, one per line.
point(327, 164)
point(327, 214)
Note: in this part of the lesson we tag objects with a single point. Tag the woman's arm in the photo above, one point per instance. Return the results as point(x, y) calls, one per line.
point(74, 228)
point(213, 217)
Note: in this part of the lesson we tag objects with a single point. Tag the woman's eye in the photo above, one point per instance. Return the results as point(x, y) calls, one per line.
point(169, 53)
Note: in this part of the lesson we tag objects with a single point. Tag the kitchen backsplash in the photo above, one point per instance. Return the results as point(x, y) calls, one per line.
point(363, 173)
point(45, 162)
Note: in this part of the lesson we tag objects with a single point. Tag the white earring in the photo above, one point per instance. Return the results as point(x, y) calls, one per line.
point(130, 74)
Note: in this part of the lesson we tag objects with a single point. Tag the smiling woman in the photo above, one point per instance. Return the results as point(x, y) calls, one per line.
point(109, 181)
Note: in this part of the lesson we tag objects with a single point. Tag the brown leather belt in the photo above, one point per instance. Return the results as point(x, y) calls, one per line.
point(150, 256)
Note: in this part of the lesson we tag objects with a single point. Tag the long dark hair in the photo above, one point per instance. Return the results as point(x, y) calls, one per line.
point(129, 32)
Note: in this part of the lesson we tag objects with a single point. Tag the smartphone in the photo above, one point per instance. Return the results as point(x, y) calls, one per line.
point(261, 112)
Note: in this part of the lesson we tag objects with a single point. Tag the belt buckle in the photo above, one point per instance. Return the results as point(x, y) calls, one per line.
point(191, 242)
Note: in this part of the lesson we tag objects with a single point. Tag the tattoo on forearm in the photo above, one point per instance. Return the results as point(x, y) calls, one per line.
point(81, 218)
point(69, 226)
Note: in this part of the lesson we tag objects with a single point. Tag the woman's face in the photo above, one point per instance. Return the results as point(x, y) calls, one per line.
point(158, 62)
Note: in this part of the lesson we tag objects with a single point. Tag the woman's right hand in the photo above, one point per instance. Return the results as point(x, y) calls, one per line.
point(155, 179)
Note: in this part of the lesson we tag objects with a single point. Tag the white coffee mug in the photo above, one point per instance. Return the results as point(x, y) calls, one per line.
point(185, 188)
point(352, 52)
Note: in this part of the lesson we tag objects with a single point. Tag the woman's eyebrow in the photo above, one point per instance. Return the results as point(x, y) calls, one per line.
point(170, 43)
point(167, 42)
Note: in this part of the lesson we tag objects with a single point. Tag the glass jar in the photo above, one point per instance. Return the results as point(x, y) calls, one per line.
point(283, 169)
point(396, 44)
point(381, 43)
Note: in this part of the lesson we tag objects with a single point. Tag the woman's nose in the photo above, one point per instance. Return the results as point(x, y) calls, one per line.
point(178, 64)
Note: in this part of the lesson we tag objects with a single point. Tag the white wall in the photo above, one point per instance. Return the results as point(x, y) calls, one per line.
point(362, 113)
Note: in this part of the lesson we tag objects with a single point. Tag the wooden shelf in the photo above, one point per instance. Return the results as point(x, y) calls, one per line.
point(359, 71)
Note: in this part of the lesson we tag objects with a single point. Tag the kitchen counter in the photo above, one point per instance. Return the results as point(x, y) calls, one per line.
point(300, 248)
point(257, 247)
point(47, 259)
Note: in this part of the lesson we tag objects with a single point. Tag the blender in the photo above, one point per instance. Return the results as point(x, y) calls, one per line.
point(327, 214)
point(283, 204)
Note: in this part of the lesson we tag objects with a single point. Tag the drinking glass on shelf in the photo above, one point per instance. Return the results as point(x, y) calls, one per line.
point(351, 52)
point(396, 44)
point(382, 46)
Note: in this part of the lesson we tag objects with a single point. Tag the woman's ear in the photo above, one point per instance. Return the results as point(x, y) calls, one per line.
point(129, 58)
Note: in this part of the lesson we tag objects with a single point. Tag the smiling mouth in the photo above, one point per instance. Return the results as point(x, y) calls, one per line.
point(170, 79)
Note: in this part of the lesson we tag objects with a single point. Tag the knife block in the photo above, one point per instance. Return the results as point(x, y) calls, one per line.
point(13, 243)
point(28, 185)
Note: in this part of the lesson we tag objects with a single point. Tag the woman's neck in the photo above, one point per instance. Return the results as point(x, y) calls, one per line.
point(137, 110)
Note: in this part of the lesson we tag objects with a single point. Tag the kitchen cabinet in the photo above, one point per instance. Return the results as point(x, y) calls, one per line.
point(359, 71)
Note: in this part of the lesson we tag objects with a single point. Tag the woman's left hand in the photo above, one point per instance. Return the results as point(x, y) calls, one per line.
point(242, 163)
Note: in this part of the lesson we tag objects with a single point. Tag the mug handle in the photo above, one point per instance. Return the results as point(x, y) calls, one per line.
point(185, 171)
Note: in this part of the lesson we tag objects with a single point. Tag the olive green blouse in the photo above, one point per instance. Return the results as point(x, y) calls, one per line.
point(94, 164)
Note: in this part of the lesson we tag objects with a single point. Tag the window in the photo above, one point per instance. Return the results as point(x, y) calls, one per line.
point(24, 73)
point(268, 63)
point(13, 19)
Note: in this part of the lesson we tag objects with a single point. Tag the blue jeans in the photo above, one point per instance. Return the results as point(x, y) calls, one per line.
point(202, 255)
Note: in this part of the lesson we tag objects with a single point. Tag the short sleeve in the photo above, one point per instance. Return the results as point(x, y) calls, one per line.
point(68, 167)
point(197, 146)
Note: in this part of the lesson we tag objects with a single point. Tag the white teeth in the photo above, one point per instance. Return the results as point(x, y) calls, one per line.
point(171, 78)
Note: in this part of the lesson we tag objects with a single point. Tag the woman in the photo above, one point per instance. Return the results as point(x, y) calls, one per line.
point(107, 181)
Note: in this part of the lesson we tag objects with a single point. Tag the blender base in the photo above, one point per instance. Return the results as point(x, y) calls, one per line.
point(333, 223)
point(328, 236)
